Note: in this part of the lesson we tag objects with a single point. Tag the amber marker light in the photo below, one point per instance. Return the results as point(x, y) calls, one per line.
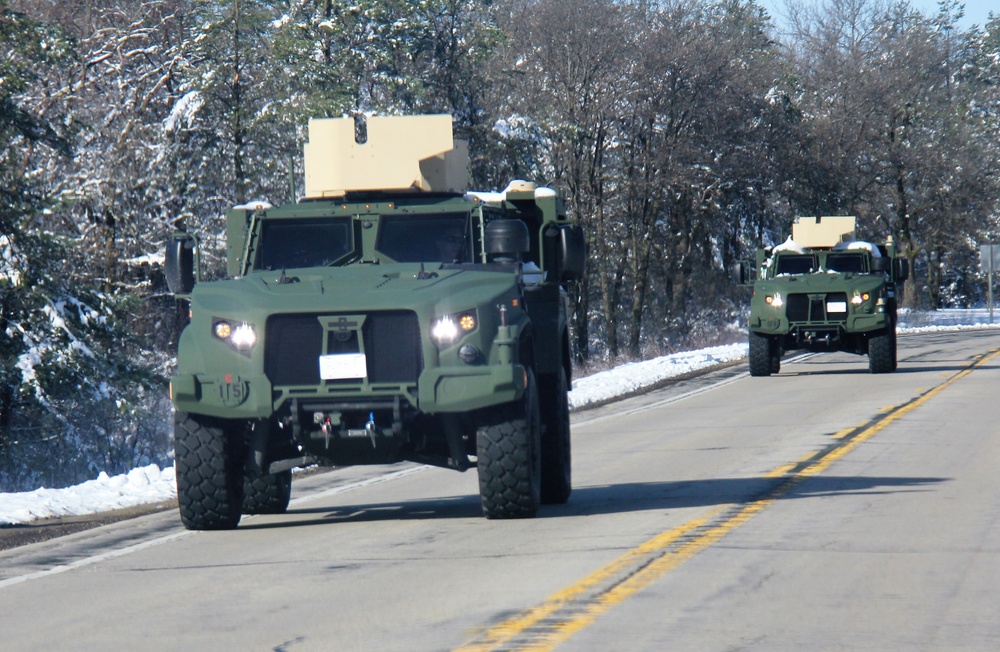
point(223, 330)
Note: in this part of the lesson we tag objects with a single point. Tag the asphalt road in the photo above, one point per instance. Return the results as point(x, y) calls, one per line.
point(821, 509)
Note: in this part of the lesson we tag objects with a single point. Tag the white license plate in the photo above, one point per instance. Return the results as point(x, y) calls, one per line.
point(836, 306)
point(342, 365)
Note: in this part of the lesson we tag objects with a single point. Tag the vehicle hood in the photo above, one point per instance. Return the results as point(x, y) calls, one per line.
point(821, 282)
point(355, 288)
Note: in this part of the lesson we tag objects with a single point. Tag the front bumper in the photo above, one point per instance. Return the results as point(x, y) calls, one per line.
point(778, 324)
point(438, 390)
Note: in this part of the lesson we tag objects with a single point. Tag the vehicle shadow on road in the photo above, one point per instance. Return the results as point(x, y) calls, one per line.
point(611, 499)
point(642, 496)
point(903, 368)
point(424, 509)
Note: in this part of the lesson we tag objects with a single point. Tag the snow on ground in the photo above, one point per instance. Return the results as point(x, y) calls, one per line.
point(150, 484)
point(141, 486)
point(632, 377)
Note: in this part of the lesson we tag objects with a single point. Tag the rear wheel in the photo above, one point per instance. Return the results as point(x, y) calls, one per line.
point(775, 356)
point(267, 494)
point(895, 357)
point(762, 359)
point(509, 459)
point(209, 461)
point(557, 483)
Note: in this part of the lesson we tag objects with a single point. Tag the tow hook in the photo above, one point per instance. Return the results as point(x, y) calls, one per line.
point(370, 428)
point(328, 425)
point(332, 425)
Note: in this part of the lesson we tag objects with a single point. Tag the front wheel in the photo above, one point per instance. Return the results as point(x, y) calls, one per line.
point(882, 352)
point(764, 359)
point(509, 458)
point(209, 461)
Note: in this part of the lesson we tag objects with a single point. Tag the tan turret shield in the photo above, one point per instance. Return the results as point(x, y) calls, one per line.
point(825, 231)
point(396, 154)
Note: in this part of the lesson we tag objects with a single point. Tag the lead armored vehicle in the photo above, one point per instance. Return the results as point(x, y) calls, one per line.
point(389, 315)
point(823, 290)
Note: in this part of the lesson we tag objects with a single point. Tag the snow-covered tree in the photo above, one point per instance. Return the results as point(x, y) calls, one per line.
point(69, 390)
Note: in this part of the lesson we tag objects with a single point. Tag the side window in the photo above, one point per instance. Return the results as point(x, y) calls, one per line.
point(431, 238)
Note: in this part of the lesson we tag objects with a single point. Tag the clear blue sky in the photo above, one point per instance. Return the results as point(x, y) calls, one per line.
point(976, 11)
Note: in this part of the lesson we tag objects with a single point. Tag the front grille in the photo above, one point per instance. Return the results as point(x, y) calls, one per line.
point(811, 308)
point(798, 307)
point(292, 349)
point(295, 342)
point(392, 342)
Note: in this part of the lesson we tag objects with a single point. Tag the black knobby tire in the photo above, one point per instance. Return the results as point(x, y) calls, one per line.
point(557, 481)
point(209, 468)
point(880, 352)
point(267, 494)
point(509, 459)
point(761, 357)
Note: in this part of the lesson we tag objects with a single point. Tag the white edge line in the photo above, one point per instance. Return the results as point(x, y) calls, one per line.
point(799, 357)
point(128, 550)
point(666, 401)
point(357, 485)
point(95, 559)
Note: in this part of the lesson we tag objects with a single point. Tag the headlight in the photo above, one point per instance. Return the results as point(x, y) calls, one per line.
point(858, 299)
point(239, 335)
point(447, 330)
point(774, 300)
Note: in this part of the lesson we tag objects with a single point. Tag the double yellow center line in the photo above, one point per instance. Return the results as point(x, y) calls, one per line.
point(563, 614)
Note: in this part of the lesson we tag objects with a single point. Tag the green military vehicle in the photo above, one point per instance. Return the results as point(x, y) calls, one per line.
point(822, 290)
point(390, 315)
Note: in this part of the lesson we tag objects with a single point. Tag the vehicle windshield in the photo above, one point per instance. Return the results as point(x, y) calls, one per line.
point(795, 264)
point(846, 263)
point(315, 242)
point(433, 237)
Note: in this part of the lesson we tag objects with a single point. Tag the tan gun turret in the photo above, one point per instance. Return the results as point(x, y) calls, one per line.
point(823, 232)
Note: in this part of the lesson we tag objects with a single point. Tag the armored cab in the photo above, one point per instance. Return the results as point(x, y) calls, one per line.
point(824, 290)
point(389, 315)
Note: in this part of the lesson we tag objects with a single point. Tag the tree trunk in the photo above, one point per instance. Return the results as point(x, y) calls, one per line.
point(640, 285)
point(239, 131)
point(606, 280)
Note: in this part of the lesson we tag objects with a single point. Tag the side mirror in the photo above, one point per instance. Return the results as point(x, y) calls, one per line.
point(506, 240)
point(900, 269)
point(880, 264)
point(572, 252)
point(742, 273)
point(179, 263)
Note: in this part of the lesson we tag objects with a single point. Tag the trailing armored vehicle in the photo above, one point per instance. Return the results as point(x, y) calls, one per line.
point(390, 315)
point(822, 290)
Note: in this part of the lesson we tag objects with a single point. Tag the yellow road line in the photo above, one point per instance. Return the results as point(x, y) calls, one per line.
point(570, 610)
point(507, 629)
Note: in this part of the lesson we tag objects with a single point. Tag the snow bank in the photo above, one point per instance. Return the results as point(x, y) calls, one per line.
point(139, 486)
point(636, 376)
